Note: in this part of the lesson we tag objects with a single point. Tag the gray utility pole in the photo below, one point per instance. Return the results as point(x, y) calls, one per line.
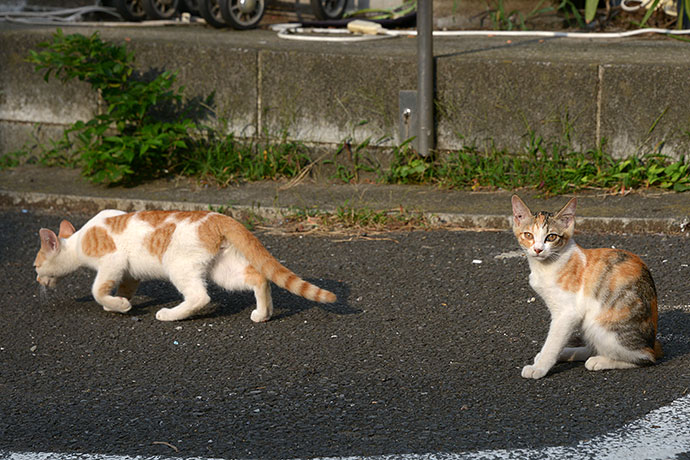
point(425, 76)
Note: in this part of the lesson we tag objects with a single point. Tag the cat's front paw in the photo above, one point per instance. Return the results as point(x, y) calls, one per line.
point(259, 316)
point(533, 372)
point(166, 314)
point(118, 304)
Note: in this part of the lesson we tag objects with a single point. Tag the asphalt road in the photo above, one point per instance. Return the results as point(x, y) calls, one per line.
point(421, 354)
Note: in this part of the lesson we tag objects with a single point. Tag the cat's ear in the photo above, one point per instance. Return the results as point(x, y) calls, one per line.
point(66, 229)
point(567, 214)
point(49, 241)
point(520, 210)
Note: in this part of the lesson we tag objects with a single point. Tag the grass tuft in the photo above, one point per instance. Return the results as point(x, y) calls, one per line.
point(555, 170)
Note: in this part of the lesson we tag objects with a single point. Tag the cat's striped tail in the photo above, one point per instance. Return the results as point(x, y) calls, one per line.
point(259, 257)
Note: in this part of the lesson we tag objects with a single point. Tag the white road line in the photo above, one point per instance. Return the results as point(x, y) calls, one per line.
point(661, 434)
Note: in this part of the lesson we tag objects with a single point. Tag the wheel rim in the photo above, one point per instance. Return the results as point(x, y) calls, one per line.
point(247, 6)
point(165, 7)
point(333, 8)
point(215, 10)
point(136, 8)
point(245, 12)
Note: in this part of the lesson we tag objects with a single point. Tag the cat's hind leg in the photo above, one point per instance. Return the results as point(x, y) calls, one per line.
point(128, 286)
point(102, 288)
point(233, 272)
point(262, 292)
point(191, 286)
point(600, 363)
point(569, 354)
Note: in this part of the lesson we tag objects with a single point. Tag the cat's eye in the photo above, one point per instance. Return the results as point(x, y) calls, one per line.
point(528, 236)
point(551, 238)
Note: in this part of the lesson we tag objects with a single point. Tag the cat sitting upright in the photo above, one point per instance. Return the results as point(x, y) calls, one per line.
point(183, 247)
point(608, 294)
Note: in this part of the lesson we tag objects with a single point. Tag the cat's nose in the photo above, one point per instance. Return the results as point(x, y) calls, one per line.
point(537, 250)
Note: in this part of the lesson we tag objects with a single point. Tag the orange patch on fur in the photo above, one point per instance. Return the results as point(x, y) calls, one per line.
point(573, 274)
point(654, 318)
point(192, 216)
point(106, 288)
point(325, 296)
point(97, 242)
point(212, 231)
point(303, 289)
point(118, 224)
point(157, 241)
point(626, 271)
point(253, 277)
point(290, 280)
point(153, 218)
point(613, 315)
point(595, 263)
point(40, 258)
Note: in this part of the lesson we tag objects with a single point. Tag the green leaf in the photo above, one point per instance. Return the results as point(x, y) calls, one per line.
point(591, 10)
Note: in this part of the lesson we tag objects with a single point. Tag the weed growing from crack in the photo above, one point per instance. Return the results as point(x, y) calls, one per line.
point(353, 219)
point(553, 170)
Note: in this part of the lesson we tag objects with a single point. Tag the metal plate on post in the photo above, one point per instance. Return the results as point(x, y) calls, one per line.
point(408, 120)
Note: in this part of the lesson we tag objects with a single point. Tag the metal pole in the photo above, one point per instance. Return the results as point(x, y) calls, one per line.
point(425, 76)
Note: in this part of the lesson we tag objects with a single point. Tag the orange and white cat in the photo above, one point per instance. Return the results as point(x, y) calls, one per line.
point(606, 294)
point(185, 248)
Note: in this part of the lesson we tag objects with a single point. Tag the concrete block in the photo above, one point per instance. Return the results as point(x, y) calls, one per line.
point(328, 97)
point(27, 137)
point(500, 102)
point(207, 66)
point(25, 97)
point(645, 108)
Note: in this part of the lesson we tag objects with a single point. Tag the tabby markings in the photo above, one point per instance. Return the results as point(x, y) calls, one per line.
point(157, 241)
point(106, 287)
point(153, 218)
point(118, 224)
point(97, 242)
point(572, 274)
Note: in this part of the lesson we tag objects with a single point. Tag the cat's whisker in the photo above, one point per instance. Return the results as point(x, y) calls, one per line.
point(43, 295)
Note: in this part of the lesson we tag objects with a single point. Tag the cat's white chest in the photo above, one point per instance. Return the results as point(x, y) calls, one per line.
point(542, 280)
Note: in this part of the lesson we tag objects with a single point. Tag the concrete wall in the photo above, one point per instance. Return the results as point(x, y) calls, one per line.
point(488, 90)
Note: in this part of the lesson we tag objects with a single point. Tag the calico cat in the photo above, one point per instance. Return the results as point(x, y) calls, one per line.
point(183, 247)
point(608, 294)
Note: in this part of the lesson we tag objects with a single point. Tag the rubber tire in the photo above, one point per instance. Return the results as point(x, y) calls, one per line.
point(129, 11)
point(210, 11)
point(325, 14)
point(190, 6)
point(154, 12)
point(234, 22)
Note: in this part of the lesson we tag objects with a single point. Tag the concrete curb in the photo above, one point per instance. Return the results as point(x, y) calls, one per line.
point(273, 214)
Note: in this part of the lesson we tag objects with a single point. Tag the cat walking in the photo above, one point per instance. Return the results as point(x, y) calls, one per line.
point(185, 248)
point(606, 294)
